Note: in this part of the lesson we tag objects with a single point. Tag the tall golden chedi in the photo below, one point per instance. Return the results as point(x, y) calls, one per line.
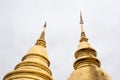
point(35, 64)
point(86, 65)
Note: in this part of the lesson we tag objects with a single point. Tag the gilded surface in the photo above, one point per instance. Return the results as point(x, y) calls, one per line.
point(34, 65)
point(86, 65)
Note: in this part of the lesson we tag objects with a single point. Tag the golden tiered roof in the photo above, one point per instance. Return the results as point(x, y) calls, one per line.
point(34, 65)
point(86, 65)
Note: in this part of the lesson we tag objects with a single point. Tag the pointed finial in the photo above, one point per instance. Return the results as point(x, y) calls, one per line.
point(83, 36)
point(41, 41)
point(44, 26)
point(81, 20)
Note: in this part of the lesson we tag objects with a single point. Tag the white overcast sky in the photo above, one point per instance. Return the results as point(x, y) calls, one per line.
point(21, 23)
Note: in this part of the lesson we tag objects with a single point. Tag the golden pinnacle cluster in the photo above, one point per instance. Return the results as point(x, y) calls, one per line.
point(35, 64)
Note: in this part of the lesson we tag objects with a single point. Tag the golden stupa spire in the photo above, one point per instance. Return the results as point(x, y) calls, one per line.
point(86, 65)
point(34, 65)
point(41, 41)
point(83, 36)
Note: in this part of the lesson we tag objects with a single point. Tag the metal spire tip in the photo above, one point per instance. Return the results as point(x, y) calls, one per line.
point(81, 20)
point(44, 24)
